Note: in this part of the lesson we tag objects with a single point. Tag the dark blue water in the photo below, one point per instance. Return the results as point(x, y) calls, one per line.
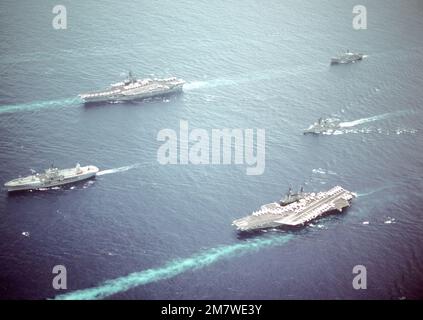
point(248, 64)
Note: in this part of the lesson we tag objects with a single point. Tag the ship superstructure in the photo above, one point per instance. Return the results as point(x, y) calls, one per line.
point(328, 125)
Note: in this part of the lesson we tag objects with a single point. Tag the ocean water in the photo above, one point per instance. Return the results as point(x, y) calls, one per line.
point(142, 230)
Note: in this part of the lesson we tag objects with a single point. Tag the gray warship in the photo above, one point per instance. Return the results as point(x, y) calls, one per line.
point(347, 57)
point(52, 177)
point(328, 125)
point(135, 89)
point(305, 207)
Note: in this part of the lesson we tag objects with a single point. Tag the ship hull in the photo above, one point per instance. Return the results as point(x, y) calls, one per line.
point(36, 185)
point(345, 61)
point(313, 132)
point(319, 132)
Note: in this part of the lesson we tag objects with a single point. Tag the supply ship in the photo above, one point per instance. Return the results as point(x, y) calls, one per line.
point(52, 177)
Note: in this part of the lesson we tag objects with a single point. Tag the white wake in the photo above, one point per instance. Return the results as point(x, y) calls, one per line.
point(116, 170)
point(195, 85)
point(349, 124)
point(354, 123)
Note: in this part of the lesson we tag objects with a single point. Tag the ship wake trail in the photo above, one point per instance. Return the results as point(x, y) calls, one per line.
point(32, 106)
point(173, 268)
point(354, 123)
point(196, 85)
point(252, 77)
point(365, 194)
point(116, 170)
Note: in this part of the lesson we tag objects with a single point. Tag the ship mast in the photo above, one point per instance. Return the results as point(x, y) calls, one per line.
point(131, 77)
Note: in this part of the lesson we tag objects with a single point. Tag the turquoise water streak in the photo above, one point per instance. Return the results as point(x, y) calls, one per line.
point(173, 268)
point(247, 65)
point(31, 106)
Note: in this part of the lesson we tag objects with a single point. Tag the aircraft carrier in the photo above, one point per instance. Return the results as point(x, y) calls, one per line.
point(52, 177)
point(305, 207)
point(134, 89)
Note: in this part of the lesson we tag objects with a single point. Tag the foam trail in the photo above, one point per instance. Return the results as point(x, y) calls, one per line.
point(207, 84)
point(172, 268)
point(196, 85)
point(115, 170)
point(247, 78)
point(371, 192)
point(39, 105)
point(350, 124)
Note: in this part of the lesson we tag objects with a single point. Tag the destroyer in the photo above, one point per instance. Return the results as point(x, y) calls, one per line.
point(322, 126)
point(52, 177)
point(306, 207)
point(132, 89)
point(347, 57)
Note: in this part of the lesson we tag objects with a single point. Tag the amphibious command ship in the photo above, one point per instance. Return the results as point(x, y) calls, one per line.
point(52, 177)
point(347, 57)
point(296, 209)
point(134, 89)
